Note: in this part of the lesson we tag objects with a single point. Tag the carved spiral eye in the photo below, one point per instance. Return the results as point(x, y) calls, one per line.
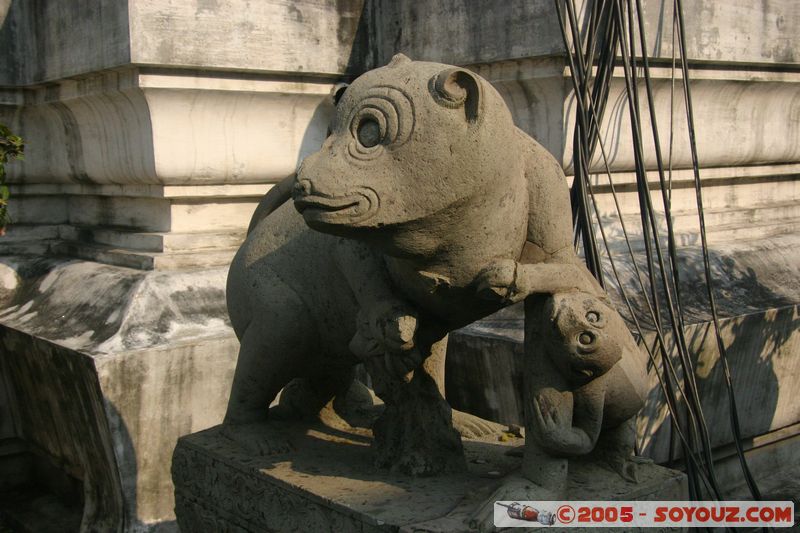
point(369, 133)
point(586, 338)
point(593, 317)
point(379, 121)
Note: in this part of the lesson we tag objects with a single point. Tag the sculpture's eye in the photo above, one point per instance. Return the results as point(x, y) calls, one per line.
point(369, 133)
point(586, 338)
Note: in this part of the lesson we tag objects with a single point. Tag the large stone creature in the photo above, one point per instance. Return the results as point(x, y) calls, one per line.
point(424, 210)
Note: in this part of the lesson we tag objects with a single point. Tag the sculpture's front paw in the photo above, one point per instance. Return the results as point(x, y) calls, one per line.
point(497, 281)
point(554, 430)
point(546, 412)
point(256, 438)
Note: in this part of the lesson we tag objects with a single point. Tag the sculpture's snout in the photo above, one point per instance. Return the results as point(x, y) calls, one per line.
point(303, 187)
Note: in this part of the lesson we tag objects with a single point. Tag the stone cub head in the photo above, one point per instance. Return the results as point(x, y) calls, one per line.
point(409, 141)
point(584, 339)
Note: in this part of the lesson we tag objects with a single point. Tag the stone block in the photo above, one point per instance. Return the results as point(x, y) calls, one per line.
point(53, 40)
point(328, 483)
point(103, 369)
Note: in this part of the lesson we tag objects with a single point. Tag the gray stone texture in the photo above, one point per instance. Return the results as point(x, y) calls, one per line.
point(50, 41)
point(475, 31)
point(148, 155)
point(113, 366)
point(448, 212)
point(328, 484)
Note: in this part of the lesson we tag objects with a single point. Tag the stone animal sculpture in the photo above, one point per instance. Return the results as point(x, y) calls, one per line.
point(424, 210)
point(585, 381)
point(586, 385)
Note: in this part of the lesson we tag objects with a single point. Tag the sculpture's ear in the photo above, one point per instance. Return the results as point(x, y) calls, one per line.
point(336, 95)
point(456, 87)
point(338, 91)
point(397, 60)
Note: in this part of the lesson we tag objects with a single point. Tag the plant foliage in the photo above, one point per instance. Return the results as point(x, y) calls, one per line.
point(11, 148)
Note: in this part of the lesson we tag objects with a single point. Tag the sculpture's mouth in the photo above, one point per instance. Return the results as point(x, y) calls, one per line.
point(348, 210)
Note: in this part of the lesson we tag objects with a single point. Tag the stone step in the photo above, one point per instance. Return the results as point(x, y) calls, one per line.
point(117, 238)
point(153, 241)
point(733, 195)
point(752, 232)
point(25, 247)
point(122, 247)
point(16, 233)
point(687, 220)
point(174, 242)
point(104, 254)
point(198, 259)
point(141, 260)
point(717, 235)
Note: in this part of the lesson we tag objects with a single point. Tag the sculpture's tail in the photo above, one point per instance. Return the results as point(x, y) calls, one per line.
point(275, 197)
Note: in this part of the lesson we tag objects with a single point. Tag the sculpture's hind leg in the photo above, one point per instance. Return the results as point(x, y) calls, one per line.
point(305, 397)
point(274, 349)
point(615, 447)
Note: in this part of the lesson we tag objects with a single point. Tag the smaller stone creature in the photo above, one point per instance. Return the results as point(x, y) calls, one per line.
point(587, 381)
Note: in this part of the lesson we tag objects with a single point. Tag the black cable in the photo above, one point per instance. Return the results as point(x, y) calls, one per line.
point(659, 340)
point(587, 136)
point(648, 224)
point(578, 193)
point(734, 415)
point(669, 396)
point(674, 311)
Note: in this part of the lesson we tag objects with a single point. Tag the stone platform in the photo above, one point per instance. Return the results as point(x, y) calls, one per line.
point(328, 483)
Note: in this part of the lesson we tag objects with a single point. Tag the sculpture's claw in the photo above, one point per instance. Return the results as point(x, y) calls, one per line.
point(628, 467)
point(629, 472)
point(474, 427)
point(496, 282)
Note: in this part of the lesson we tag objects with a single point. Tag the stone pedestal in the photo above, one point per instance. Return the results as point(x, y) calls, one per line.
point(328, 483)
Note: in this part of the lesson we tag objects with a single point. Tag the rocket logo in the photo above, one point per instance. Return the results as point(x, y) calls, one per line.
point(527, 513)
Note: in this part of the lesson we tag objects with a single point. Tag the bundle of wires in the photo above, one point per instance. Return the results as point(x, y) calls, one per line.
point(611, 33)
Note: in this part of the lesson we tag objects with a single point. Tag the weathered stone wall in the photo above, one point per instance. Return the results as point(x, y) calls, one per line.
point(46, 41)
point(154, 127)
point(152, 130)
point(474, 31)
